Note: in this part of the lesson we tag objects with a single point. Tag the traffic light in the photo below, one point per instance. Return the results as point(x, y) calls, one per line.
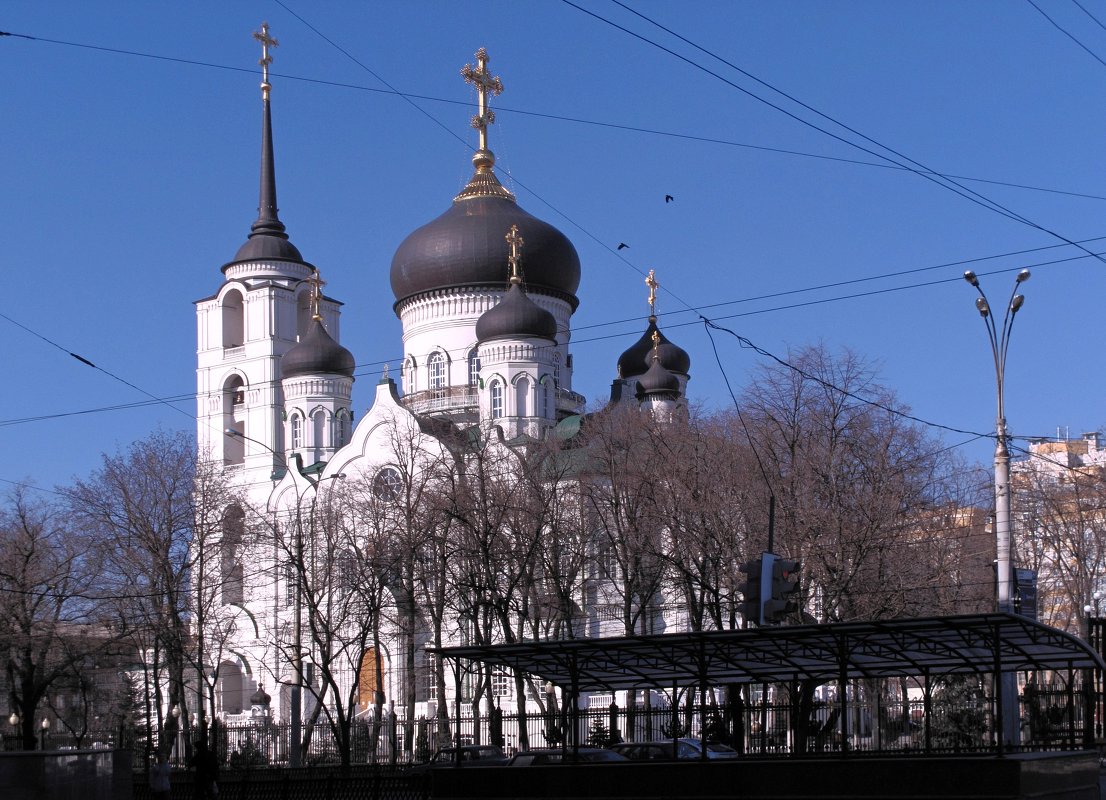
point(783, 584)
point(753, 590)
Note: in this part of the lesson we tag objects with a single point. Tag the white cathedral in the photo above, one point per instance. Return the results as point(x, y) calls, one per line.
point(485, 293)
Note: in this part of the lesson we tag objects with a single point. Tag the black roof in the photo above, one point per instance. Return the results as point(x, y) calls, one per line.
point(516, 316)
point(979, 643)
point(317, 354)
point(465, 247)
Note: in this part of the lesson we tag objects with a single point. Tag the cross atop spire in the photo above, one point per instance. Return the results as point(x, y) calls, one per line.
point(651, 282)
point(515, 242)
point(316, 294)
point(267, 41)
point(485, 84)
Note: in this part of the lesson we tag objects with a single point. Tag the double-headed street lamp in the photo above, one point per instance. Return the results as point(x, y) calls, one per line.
point(295, 758)
point(1000, 343)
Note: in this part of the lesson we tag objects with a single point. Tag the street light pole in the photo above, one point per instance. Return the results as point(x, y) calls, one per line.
point(1000, 343)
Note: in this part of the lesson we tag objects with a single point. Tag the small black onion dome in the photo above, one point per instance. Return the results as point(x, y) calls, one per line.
point(658, 380)
point(464, 247)
point(317, 353)
point(516, 316)
point(260, 697)
point(637, 358)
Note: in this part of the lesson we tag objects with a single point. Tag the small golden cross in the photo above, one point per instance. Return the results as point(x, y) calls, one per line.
point(316, 294)
point(651, 282)
point(515, 242)
point(267, 41)
point(656, 337)
point(485, 84)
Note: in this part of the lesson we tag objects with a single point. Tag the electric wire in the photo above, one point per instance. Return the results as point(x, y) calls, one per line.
point(506, 109)
point(1068, 33)
point(918, 168)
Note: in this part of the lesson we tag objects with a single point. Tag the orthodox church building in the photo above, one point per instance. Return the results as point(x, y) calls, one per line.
point(485, 293)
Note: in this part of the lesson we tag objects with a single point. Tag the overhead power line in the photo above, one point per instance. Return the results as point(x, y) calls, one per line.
point(911, 164)
point(506, 109)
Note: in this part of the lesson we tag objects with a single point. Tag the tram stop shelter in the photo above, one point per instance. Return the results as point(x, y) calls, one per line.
point(924, 648)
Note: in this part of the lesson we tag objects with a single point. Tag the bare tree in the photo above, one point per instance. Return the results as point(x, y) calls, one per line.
point(852, 475)
point(50, 610)
point(155, 509)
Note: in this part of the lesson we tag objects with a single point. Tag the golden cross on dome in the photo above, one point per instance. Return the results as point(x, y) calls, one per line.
point(485, 84)
point(656, 337)
point(515, 242)
point(316, 294)
point(651, 282)
point(267, 41)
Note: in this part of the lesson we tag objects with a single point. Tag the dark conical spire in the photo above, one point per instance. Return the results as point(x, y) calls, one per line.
point(267, 224)
point(267, 238)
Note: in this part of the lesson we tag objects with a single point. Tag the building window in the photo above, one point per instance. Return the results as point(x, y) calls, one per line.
point(435, 374)
point(409, 376)
point(503, 683)
point(522, 397)
point(474, 367)
point(296, 424)
point(388, 484)
point(230, 561)
point(497, 399)
point(289, 583)
point(318, 433)
point(341, 428)
point(233, 319)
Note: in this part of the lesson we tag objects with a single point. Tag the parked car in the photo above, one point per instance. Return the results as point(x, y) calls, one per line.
point(554, 755)
point(472, 755)
point(663, 750)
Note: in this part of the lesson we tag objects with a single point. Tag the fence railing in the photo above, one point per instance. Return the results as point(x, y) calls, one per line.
point(1051, 717)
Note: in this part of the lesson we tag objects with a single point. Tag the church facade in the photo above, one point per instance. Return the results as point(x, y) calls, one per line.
point(485, 293)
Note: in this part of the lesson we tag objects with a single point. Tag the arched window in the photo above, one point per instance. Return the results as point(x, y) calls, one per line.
point(409, 376)
point(296, 424)
point(341, 428)
point(234, 418)
point(522, 397)
point(234, 327)
point(474, 367)
point(496, 390)
point(232, 687)
point(234, 524)
point(318, 433)
point(304, 312)
point(543, 398)
point(435, 374)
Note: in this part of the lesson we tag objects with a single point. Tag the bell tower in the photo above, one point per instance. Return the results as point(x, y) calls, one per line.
point(263, 307)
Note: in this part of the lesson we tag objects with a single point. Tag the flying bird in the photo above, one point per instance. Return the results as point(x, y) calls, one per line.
point(622, 246)
point(668, 198)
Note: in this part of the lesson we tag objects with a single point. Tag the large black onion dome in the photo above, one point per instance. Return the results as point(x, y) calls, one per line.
point(516, 316)
point(464, 247)
point(317, 354)
point(636, 360)
point(658, 381)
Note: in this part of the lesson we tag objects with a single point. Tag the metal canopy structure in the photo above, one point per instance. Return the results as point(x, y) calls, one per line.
point(979, 643)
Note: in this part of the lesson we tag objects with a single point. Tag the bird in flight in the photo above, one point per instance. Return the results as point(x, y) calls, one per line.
point(622, 246)
point(668, 198)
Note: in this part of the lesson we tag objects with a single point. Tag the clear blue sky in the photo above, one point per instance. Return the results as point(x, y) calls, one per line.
point(127, 182)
